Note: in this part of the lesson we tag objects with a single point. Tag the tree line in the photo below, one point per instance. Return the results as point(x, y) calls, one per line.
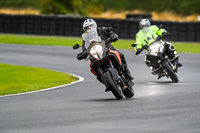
point(83, 7)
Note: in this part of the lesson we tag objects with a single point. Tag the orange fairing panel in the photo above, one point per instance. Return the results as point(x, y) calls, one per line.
point(92, 69)
point(117, 54)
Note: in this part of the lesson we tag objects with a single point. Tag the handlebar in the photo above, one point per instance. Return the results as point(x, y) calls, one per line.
point(161, 36)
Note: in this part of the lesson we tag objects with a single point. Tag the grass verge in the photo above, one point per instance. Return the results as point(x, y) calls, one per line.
point(185, 47)
point(17, 79)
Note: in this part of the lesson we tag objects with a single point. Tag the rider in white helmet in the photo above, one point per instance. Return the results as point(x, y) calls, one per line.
point(106, 34)
point(89, 25)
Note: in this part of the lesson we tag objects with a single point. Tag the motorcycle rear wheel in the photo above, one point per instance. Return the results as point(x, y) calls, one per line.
point(170, 72)
point(113, 86)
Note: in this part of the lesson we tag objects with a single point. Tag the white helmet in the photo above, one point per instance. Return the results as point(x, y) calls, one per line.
point(144, 25)
point(89, 24)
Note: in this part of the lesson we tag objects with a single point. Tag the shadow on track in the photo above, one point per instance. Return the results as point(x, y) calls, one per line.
point(158, 82)
point(107, 100)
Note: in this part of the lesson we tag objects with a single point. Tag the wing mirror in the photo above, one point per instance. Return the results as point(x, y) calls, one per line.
point(160, 26)
point(133, 45)
point(76, 46)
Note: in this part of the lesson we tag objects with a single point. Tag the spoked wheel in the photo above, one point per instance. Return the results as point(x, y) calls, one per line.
point(115, 88)
point(170, 72)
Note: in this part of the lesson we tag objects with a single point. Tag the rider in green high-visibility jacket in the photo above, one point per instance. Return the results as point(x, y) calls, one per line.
point(148, 34)
point(143, 38)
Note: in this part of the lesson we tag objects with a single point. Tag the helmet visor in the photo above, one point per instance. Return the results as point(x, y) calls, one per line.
point(143, 26)
point(88, 28)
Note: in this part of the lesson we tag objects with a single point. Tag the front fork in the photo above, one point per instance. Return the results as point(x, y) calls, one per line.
point(114, 73)
point(119, 76)
point(174, 67)
point(172, 64)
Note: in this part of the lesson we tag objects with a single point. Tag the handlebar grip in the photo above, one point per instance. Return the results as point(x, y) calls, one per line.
point(158, 38)
point(166, 34)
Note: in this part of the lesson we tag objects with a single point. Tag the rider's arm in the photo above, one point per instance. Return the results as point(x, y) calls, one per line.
point(138, 42)
point(83, 45)
point(83, 54)
point(107, 32)
point(159, 31)
point(162, 31)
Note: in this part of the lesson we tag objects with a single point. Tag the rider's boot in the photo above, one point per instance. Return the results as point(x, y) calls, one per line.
point(128, 74)
point(179, 64)
point(174, 54)
point(176, 58)
point(159, 76)
point(129, 82)
point(125, 68)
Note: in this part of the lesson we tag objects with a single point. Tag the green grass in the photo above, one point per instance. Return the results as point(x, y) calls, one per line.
point(39, 40)
point(185, 47)
point(17, 79)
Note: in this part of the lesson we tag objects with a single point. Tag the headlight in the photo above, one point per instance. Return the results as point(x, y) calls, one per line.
point(97, 51)
point(154, 48)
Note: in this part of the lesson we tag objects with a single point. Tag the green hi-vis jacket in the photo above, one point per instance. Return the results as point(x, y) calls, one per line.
point(143, 38)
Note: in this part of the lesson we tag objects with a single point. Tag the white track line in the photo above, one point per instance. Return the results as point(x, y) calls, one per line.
point(80, 79)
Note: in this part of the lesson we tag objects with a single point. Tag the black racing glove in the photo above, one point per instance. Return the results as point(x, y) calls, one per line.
point(164, 34)
point(138, 51)
point(113, 37)
point(108, 29)
point(82, 55)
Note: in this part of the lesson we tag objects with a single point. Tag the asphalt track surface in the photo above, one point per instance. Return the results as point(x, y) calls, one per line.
point(158, 105)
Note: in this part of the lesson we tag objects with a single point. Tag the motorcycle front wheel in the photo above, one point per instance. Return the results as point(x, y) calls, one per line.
point(170, 72)
point(115, 88)
point(128, 92)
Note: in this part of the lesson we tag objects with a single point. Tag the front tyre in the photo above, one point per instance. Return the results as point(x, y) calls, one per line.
point(128, 92)
point(170, 72)
point(115, 88)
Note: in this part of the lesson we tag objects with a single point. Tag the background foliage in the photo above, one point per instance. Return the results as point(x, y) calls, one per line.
point(82, 7)
point(184, 7)
point(63, 7)
point(36, 4)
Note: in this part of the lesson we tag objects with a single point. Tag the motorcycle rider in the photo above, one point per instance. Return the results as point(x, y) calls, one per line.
point(106, 34)
point(148, 34)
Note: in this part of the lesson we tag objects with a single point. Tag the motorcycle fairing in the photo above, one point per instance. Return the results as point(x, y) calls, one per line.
point(117, 55)
point(92, 69)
